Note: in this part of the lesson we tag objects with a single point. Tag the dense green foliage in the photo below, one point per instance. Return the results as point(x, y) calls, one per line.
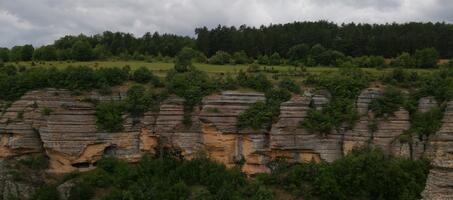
point(261, 115)
point(46, 192)
point(290, 85)
point(191, 85)
point(426, 123)
point(258, 81)
point(365, 173)
point(352, 39)
point(340, 113)
point(426, 58)
point(439, 84)
point(144, 75)
point(14, 82)
point(391, 101)
point(220, 58)
point(109, 116)
point(291, 41)
point(168, 178)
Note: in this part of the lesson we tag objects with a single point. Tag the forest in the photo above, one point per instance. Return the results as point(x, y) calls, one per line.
point(355, 40)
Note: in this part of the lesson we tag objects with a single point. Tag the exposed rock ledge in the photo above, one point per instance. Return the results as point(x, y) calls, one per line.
point(68, 135)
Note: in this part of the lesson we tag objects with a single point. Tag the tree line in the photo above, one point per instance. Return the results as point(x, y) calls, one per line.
point(352, 39)
point(386, 40)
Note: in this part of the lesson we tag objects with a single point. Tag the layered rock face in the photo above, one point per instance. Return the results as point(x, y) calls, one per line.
point(440, 180)
point(63, 126)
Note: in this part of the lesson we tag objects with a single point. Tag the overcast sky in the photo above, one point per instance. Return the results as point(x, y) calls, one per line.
point(42, 21)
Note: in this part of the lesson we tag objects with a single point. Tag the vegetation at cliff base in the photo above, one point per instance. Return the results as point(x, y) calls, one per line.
point(365, 173)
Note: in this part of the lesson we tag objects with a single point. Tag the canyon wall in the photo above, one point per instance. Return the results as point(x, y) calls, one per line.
point(62, 125)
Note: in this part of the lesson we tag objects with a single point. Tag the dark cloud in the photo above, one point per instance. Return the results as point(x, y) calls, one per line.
point(42, 21)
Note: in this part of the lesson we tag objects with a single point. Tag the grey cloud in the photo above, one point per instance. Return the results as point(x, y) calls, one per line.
point(42, 21)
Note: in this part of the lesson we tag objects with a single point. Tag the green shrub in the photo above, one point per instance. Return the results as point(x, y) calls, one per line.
point(290, 85)
point(113, 75)
point(404, 60)
point(297, 53)
point(261, 115)
point(344, 87)
point(438, 84)
point(426, 123)
point(259, 81)
point(256, 117)
point(37, 162)
point(369, 61)
point(275, 59)
point(240, 57)
point(46, 111)
point(81, 191)
point(192, 85)
point(144, 75)
point(390, 101)
point(339, 112)
point(139, 100)
point(109, 116)
point(426, 58)
point(263, 60)
point(220, 58)
point(46, 192)
point(365, 173)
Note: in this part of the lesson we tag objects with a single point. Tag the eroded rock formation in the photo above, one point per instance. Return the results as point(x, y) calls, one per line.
point(62, 125)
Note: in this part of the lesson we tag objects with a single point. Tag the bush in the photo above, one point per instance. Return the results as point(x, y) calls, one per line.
point(167, 178)
point(365, 173)
point(183, 61)
point(259, 82)
point(390, 102)
point(344, 87)
point(438, 84)
point(275, 59)
point(81, 191)
point(336, 114)
point(263, 60)
point(37, 162)
point(46, 111)
point(144, 75)
point(220, 58)
point(46, 192)
point(426, 58)
point(139, 100)
point(240, 57)
point(290, 85)
point(298, 53)
point(114, 75)
point(261, 115)
point(426, 123)
point(192, 86)
point(369, 61)
point(109, 116)
point(404, 60)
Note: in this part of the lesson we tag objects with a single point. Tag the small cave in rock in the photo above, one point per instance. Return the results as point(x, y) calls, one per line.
point(81, 165)
point(110, 151)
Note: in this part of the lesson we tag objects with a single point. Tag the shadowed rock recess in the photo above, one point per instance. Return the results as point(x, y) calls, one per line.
point(62, 126)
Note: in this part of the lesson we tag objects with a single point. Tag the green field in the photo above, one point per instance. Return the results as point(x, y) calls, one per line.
point(160, 68)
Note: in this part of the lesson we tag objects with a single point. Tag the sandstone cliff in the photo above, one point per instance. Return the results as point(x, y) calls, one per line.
point(62, 125)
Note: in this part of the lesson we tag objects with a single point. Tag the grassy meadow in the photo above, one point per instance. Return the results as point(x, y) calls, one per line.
point(160, 68)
